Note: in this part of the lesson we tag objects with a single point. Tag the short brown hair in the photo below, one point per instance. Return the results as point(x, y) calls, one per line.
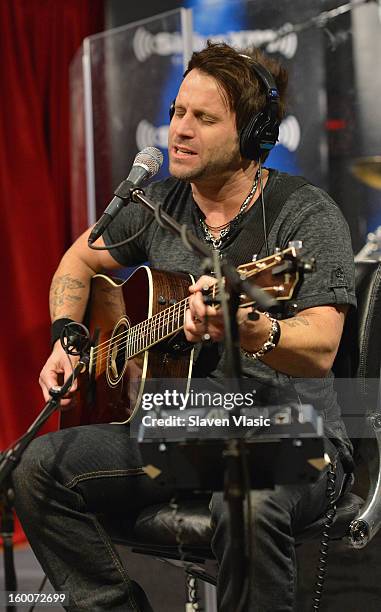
point(243, 90)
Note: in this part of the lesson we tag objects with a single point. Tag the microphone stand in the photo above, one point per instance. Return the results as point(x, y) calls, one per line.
point(318, 21)
point(236, 284)
point(9, 460)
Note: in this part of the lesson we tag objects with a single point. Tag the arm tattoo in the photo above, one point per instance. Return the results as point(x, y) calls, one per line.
point(61, 291)
point(297, 322)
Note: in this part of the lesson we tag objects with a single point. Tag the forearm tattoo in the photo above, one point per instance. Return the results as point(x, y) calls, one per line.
point(297, 322)
point(65, 290)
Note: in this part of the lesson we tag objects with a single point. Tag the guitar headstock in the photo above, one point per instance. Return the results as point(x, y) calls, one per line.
point(279, 274)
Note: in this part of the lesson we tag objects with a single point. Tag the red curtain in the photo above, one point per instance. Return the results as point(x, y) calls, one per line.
point(38, 39)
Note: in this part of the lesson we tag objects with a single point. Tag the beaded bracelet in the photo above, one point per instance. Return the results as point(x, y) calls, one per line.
point(271, 342)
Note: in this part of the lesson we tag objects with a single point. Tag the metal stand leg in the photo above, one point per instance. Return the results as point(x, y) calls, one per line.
point(210, 597)
point(6, 535)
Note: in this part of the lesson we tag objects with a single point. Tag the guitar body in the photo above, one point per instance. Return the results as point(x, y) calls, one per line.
point(112, 388)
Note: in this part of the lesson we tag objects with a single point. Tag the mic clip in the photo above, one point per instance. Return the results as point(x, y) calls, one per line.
point(124, 190)
point(75, 339)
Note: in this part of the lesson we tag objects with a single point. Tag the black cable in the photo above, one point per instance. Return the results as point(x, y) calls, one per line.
point(323, 553)
point(191, 581)
point(248, 530)
point(263, 210)
point(158, 215)
point(123, 242)
point(184, 237)
point(178, 527)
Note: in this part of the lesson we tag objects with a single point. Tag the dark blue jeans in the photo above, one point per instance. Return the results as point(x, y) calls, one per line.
point(66, 478)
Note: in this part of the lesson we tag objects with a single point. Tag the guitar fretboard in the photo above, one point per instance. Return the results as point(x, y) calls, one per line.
point(146, 334)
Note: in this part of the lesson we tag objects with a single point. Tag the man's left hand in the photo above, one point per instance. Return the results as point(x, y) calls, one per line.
point(201, 319)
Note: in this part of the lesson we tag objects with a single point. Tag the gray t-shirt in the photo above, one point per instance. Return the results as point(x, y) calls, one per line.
point(310, 215)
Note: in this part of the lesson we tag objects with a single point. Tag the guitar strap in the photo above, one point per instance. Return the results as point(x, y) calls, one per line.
point(250, 239)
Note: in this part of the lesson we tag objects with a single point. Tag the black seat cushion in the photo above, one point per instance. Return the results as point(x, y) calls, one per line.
point(348, 506)
point(191, 523)
point(161, 529)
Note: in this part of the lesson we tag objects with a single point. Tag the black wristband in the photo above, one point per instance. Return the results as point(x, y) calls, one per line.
point(57, 327)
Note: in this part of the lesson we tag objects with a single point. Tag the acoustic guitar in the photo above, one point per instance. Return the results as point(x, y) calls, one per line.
point(136, 325)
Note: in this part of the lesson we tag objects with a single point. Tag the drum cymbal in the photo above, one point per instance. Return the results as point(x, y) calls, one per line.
point(368, 170)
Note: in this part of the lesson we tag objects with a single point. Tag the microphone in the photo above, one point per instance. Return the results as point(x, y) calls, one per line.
point(146, 164)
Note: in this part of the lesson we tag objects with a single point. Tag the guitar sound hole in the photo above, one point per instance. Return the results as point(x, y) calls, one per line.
point(117, 353)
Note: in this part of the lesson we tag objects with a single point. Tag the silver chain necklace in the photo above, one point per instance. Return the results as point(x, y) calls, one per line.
point(225, 229)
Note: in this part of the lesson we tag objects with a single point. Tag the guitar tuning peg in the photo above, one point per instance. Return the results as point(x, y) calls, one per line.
point(277, 250)
point(254, 257)
point(296, 244)
point(308, 265)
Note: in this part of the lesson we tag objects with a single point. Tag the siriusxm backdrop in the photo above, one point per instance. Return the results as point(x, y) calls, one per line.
point(132, 73)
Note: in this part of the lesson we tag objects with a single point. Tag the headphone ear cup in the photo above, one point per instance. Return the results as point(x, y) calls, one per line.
point(258, 137)
point(249, 141)
point(172, 110)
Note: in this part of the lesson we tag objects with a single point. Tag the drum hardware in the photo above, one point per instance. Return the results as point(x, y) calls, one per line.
point(368, 170)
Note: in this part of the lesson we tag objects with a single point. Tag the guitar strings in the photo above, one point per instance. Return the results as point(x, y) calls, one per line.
point(137, 336)
point(153, 324)
point(157, 315)
point(137, 343)
point(179, 306)
point(138, 332)
point(167, 310)
point(142, 323)
point(147, 329)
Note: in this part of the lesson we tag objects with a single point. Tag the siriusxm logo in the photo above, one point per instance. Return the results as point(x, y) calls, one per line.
point(146, 44)
point(157, 136)
point(147, 135)
point(289, 133)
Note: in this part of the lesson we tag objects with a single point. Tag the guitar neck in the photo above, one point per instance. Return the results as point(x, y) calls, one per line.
point(166, 323)
point(277, 274)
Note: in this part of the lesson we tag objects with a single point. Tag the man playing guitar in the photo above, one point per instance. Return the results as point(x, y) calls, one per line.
point(223, 122)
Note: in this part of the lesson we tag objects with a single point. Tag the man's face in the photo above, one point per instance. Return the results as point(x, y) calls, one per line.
point(203, 141)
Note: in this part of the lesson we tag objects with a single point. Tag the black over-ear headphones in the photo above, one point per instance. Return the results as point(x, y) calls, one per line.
point(260, 135)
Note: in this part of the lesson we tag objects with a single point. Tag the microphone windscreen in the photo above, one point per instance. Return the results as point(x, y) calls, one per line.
point(151, 158)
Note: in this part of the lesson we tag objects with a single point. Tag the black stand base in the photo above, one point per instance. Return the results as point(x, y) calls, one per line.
point(6, 533)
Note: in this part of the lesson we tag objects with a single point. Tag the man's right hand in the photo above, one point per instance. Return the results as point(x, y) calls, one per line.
point(68, 297)
point(56, 371)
